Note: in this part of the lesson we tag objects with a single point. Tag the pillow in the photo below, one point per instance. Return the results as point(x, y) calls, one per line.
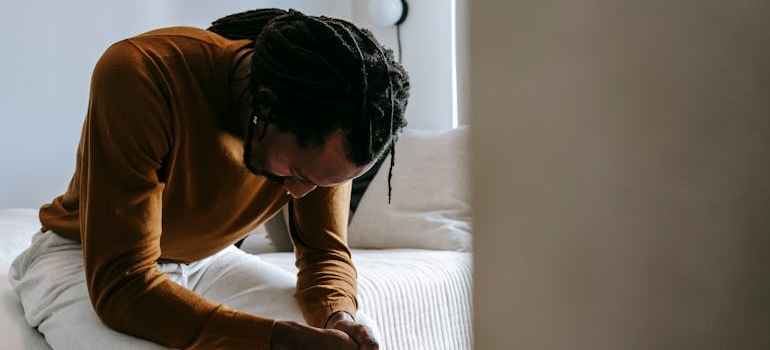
point(272, 236)
point(430, 206)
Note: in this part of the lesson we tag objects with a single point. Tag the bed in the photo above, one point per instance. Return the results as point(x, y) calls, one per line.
point(413, 256)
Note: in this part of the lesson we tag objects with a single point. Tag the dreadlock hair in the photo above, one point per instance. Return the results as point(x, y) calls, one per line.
point(325, 74)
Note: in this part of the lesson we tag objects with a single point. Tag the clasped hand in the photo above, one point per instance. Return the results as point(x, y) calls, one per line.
point(341, 332)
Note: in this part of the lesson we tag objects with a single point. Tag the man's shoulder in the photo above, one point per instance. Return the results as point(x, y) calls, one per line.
point(166, 45)
point(170, 41)
point(182, 32)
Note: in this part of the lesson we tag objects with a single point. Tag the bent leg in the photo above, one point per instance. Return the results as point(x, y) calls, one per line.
point(245, 282)
point(50, 281)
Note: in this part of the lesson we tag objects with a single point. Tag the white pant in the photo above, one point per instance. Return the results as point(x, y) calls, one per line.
point(50, 281)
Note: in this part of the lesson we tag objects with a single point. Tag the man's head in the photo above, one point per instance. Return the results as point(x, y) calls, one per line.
point(319, 77)
point(300, 169)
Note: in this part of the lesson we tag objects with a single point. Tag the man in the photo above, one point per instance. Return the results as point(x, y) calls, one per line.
point(193, 138)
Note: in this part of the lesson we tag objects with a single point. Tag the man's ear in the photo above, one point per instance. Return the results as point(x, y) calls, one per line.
point(265, 99)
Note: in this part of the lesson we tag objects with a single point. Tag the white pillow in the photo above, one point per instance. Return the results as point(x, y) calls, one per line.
point(430, 206)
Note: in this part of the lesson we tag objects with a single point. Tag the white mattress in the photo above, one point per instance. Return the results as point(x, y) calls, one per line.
point(419, 298)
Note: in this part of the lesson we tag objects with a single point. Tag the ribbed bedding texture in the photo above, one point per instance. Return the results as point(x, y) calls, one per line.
point(421, 299)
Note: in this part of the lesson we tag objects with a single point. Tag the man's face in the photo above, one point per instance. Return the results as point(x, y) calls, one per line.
point(279, 157)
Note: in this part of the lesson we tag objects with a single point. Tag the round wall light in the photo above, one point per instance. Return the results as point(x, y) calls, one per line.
point(388, 12)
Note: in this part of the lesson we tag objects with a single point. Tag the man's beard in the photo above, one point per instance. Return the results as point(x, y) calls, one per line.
point(256, 170)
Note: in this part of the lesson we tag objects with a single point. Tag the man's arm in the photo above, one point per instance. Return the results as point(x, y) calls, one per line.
point(326, 281)
point(326, 284)
point(125, 140)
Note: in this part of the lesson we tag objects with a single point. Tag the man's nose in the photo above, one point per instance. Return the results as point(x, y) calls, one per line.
point(297, 188)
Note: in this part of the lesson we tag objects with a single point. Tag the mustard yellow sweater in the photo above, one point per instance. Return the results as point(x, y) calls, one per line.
point(159, 178)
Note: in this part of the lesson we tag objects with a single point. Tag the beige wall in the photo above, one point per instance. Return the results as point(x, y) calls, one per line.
point(621, 165)
point(462, 61)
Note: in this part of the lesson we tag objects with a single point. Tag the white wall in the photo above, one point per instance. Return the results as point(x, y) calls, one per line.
point(621, 166)
point(426, 42)
point(49, 48)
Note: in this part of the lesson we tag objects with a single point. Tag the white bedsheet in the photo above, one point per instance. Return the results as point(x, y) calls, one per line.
point(420, 298)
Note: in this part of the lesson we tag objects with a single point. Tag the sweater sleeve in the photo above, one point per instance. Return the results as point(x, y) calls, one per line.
point(126, 137)
point(326, 281)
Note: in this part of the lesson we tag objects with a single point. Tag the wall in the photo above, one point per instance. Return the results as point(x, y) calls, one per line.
point(462, 61)
point(49, 49)
point(621, 165)
point(426, 42)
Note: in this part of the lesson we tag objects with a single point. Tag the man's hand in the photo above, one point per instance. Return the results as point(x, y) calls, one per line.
point(362, 335)
point(295, 336)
